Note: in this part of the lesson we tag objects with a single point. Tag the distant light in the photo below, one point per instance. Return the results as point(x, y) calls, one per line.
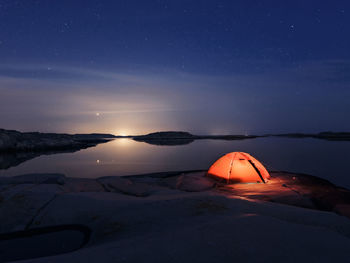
point(97, 161)
point(97, 114)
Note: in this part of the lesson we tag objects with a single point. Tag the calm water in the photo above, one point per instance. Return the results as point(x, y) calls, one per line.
point(326, 159)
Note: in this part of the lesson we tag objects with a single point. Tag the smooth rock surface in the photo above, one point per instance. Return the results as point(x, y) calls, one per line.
point(185, 217)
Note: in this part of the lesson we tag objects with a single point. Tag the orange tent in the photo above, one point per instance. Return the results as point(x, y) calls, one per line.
point(239, 167)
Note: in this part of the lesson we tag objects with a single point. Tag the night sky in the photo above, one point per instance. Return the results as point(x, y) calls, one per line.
point(132, 67)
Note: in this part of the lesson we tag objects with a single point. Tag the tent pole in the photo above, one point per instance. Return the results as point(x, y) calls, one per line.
point(257, 170)
point(231, 164)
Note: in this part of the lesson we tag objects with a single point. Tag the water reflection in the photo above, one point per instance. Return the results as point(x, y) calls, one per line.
point(327, 159)
point(11, 159)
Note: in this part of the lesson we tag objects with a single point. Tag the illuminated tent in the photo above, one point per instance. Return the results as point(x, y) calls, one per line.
point(239, 167)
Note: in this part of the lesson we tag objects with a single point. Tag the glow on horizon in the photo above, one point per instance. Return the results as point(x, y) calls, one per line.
point(122, 133)
point(126, 104)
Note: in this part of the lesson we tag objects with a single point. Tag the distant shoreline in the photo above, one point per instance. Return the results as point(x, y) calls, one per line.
point(15, 141)
point(176, 138)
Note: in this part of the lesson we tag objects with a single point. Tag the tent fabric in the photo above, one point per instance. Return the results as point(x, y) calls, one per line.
point(239, 167)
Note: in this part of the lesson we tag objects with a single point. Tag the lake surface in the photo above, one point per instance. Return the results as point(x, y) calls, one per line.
point(326, 159)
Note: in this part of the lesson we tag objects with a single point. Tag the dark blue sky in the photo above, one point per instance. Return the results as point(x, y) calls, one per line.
point(202, 66)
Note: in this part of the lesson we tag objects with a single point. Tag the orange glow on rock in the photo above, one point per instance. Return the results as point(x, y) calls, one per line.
point(239, 167)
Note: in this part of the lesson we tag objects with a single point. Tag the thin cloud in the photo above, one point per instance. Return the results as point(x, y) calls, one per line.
point(279, 98)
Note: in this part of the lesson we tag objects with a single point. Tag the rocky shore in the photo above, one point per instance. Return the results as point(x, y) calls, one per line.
point(173, 216)
point(17, 147)
point(15, 141)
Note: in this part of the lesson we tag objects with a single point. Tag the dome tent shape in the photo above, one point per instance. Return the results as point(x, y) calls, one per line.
point(239, 167)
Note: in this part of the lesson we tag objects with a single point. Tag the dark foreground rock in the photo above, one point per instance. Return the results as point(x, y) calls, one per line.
point(178, 217)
